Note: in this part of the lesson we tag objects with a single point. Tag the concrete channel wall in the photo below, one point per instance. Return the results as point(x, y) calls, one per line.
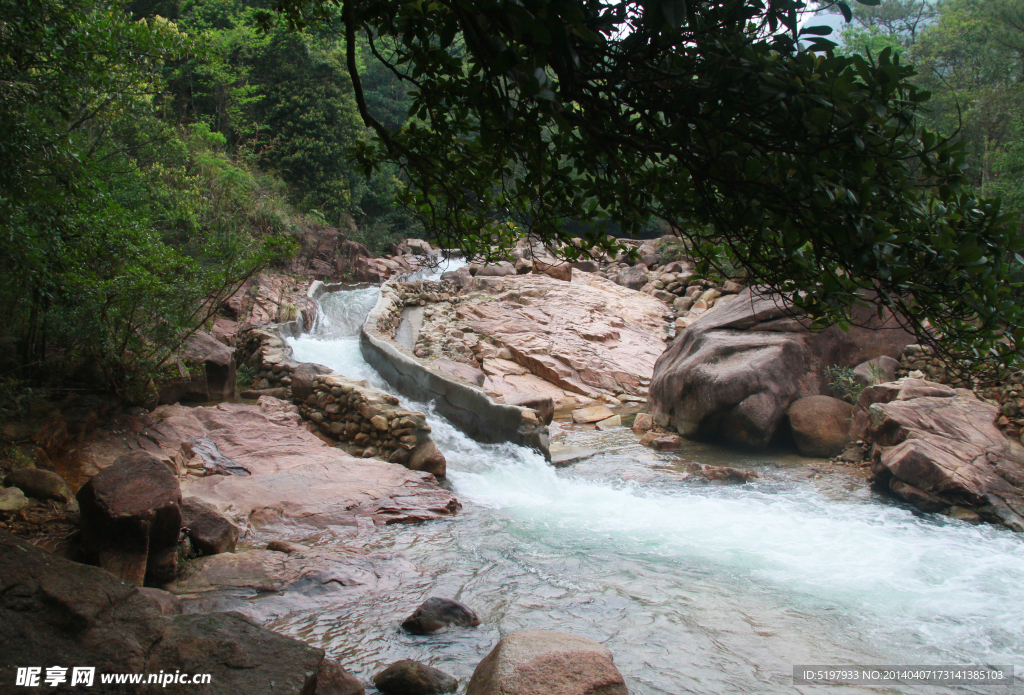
point(465, 405)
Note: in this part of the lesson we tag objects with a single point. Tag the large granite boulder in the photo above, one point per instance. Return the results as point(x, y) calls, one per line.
point(131, 516)
point(216, 380)
point(57, 612)
point(820, 425)
point(735, 371)
point(532, 662)
point(940, 449)
point(407, 677)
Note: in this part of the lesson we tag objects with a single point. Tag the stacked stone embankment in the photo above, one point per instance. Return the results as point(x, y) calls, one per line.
point(370, 423)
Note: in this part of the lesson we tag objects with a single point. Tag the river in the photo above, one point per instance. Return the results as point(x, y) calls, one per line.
point(695, 587)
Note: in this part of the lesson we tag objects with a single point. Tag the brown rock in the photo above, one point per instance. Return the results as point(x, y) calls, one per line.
point(131, 515)
point(217, 379)
point(302, 379)
point(634, 278)
point(427, 457)
point(436, 613)
point(736, 370)
point(592, 414)
point(667, 442)
point(461, 371)
point(943, 452)
point(610, 423)
point(209, 532)
point(40, 484)
point(332, 679)
point(820, 425)
point(560, 270)
point(643, 423)
point(409, 677)
point(535, 662)
point(500, 269)
point(543, 404)
point(165, 602)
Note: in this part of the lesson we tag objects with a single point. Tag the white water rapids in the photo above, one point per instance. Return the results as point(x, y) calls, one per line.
point(695, 588)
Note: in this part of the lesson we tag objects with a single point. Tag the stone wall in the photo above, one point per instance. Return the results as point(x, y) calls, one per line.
point(467, 406)
point(370, 423)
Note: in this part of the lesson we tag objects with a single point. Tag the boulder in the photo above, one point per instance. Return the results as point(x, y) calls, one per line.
point(12, 499)
point(643, 423)
point(436, 613)
point(217, 379)
point(409, 677)
point(40, 484)
point(460, 277)
point(560, 270)
point(209, 532)
point(302, 379)
point(76, 615)
point(610, 423)
point(634, 278)
point(332, 679)
point(587, 266)
point(131, 516)
point(543, 404)
point(942, 451)
point(499, 269)
point(532, 662)
point(879, 370)
point(733, 374)
point(428, 458)
point(820, 425)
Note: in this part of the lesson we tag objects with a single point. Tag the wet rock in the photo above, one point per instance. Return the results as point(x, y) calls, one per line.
point(209, 532)
point(643, 423)
point(461, 371)
point(131, 516)
point(820, 425)
point(594, 413)
point(735, 371)
point(79, 615)
point(332, 679)
point(943, 451)
point(554, 663)
point(12, 500)
point(409, 677)
point(461, 277)
point(610, 423)
point(436, 613)
point(283, 547)
point(427, 457)
point(668, 442)
point(211, 460)
point(721, 474)
point(40, 484)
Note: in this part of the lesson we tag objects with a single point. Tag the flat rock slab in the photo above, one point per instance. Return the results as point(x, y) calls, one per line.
point(295, 478)
point(594, 413)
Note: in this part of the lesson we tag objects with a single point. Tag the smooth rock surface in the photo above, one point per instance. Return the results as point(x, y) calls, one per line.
point(209, 532)
point(332, 679)
point(735, 371)
point(820, 425)
point(542, 662)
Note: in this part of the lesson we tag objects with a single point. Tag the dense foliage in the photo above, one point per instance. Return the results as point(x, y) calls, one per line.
point(810, 170)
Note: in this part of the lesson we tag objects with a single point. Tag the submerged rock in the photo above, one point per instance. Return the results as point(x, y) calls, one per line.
point(436, 613)
point(409, 677)
point(531, 662)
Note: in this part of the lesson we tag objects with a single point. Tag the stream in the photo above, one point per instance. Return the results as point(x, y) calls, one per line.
point(694, 587)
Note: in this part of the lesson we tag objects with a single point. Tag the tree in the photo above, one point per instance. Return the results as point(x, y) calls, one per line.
point(807, 169)
point(893, 24)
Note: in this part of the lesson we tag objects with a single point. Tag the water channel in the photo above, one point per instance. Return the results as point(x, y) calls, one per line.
point(695, 587)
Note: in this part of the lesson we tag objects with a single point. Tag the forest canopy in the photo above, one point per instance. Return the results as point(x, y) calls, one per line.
point(732, 122)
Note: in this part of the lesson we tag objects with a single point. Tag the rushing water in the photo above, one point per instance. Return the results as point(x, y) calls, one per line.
point(695, 587)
